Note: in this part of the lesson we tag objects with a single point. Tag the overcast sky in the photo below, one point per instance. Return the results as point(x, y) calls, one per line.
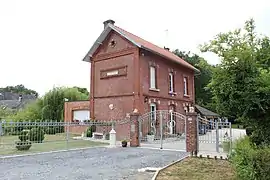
point(42, 42)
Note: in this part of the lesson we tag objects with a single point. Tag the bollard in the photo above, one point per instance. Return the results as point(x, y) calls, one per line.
point(112, 138)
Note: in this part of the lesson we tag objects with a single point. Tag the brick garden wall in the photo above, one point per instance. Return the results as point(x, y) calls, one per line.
point(68, 117)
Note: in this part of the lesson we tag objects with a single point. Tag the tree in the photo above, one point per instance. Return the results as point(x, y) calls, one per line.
point(5, 112)
point(203, 96)
point(19, 89)
point(32, 112)
point(240, 84)
point(53, 102)
point(50, 106)
point(82, 90)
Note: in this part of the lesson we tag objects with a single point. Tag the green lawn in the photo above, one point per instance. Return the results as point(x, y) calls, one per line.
point(198, 169)
point(51, 143)
point(237, 126)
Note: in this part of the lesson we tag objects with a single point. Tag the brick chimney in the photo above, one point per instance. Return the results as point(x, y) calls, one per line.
point(109, 21)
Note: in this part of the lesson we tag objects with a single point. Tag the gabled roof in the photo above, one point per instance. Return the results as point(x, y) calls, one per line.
point(14, 104)
point(137, 41)
point(205, 111)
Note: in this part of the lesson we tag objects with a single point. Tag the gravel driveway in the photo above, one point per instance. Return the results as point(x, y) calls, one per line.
point(95, 163)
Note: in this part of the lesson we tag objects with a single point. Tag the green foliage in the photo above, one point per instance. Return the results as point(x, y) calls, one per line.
point(82, 90)
point(261, 163)
point(19, 89)
point(32, 112)
point(251, 162)
point(53, 102)
point(89, 133)
point(90, 130)
point(36, 135)
point(249, 131)
point(52, 130)
point(242, 159)
point(6, 112)
point(241, 83)
point(24, 135)
point(50, 107)
point(203, 95)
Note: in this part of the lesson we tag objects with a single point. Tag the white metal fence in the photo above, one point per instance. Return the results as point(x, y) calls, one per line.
point(214, 136)
point(29, 137)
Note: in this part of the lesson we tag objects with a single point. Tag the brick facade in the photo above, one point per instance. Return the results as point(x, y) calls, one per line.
point(120, 75)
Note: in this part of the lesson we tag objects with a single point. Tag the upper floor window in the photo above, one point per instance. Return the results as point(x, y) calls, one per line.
point(153, 77)
point(171, 82)
point(185, 86)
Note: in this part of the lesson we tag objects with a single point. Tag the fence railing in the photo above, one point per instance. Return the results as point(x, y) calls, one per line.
point(34, 136)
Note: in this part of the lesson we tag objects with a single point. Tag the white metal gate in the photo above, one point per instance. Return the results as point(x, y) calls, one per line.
point(215, 136)
point(164, 129)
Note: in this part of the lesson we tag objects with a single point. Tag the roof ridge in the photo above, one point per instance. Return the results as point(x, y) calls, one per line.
point(163, 51)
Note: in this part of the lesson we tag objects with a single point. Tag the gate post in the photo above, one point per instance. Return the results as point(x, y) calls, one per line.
point(134, 129)
point(191, 132)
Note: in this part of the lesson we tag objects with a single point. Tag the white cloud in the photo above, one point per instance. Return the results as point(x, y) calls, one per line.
point(42, 43)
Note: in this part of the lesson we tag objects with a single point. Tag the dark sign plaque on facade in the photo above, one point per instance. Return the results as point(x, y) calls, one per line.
point(113, 72)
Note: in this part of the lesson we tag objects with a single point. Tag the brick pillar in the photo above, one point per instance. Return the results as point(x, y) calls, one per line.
point(191, 132)
point(134, 130)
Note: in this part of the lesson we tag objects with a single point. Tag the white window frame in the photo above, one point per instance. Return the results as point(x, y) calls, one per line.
point(153, 112)
point(171, 83)
point(153, 77)
point(185, 86)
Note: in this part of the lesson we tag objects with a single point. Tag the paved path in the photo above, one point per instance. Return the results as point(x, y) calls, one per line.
point(96, 163)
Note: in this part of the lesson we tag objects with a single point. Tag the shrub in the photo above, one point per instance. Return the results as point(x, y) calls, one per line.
point(249, 131)
point(251, 162)
point(23, 145)
point(15, 133)
point(107, 136)
point(261, 163)
point(242, 159)
point(51, 130)
point(89, 132)
point(24, 135)
point(93, 127)
point(36, 135)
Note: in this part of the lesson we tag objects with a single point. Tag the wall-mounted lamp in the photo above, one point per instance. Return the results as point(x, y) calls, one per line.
point(111, 106)
point(146, 99)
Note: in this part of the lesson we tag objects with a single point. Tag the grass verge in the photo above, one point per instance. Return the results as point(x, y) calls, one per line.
point(198, 169)
point(51, 143)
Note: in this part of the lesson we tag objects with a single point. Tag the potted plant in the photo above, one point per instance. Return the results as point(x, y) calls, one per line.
point(150, 136)
point(124, 143)
point(24, 144)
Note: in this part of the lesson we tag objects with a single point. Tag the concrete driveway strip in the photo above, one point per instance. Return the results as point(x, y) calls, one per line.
point(95, 163)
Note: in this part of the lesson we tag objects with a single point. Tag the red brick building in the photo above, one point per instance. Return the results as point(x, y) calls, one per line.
point(132, 73)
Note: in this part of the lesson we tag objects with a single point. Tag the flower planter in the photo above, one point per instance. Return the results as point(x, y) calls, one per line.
point(124, 143)
point(23, 145)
